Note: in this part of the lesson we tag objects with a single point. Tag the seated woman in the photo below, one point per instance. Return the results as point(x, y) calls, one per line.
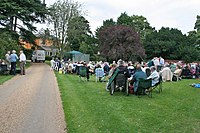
point(177, 73)
point(99, 72)
point(166, 74)
point(178, 70)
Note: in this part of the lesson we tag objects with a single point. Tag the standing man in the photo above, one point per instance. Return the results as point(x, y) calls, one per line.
point(22, 60)
point(13, 60)
point(162, 61)
point(7, 57)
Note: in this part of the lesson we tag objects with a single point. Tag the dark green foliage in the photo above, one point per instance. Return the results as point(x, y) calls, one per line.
point(197, 24)
point(170, 44)
point(27, 11)
point(197, 27)
point(7, 43)
point(106, 23)
point(20, 15)
point(80, 36)
point(167, 42)
point(78, 32)
point(139, 23)
point(124, 19)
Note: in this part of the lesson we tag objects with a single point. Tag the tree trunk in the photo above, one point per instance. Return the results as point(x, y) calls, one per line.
point(11, 23)
point(15, 24)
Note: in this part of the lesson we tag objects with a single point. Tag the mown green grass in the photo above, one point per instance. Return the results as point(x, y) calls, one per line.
point(4, 78)
point(89, 108)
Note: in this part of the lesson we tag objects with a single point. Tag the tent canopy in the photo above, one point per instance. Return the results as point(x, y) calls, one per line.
point(74, 52)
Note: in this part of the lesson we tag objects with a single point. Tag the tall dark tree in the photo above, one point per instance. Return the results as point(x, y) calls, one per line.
point(106, 23)
point(197, 23)
point(20, 15)
point(78, 31)
point(124, 19)
point(139, 23)
point(197, 27)
point(170, 44)
point(120, 42)
point(142, 26)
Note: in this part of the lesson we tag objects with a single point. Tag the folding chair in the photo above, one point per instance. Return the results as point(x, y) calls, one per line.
point(158, 85)
point(82, 72)
point(177, 76)
point(143, 85)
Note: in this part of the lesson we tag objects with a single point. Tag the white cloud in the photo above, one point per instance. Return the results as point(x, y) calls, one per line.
point(179, 14)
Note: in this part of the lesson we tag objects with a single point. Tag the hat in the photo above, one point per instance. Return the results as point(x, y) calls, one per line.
point(13, 51)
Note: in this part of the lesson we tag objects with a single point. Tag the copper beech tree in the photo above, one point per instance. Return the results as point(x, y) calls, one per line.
point(120, 42)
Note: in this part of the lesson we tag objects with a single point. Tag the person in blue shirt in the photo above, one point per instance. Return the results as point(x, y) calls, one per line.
point(13, 60)
point(137, 75)
point(196, 85)
point(99, 72)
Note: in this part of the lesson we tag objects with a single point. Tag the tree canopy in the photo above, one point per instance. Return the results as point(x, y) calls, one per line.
point(170, 44)
point(61, 13)
point(19, 15)
point(7, 43)
point(167, 42)
point(78, 31)
point(120, 41)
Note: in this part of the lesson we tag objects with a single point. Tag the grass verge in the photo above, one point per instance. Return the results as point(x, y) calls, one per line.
point(4, 78)
point(89, 108)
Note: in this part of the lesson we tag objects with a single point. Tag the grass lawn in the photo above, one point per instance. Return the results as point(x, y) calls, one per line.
point(4, 78)
point(90, 109)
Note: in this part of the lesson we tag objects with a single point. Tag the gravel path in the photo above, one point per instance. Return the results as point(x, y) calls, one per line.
point(31, 103)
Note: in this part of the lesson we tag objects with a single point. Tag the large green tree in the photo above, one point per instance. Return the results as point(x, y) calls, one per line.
point(170, 44)
point(78, 31)
point(20, 15)
point(61, 12)
point(197, 27)
point(139, 23)
point(81, 38)
point(106, 23)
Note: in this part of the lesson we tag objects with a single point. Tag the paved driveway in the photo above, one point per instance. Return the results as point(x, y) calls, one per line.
point(31, 103)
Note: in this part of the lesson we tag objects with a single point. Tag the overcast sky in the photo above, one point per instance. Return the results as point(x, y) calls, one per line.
point(179, 14)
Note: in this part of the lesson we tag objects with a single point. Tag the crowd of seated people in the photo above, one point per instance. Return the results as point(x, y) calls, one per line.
point(133, 71)
point(162, 66)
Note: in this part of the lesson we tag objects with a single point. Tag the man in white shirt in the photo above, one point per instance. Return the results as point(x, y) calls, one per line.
point(162, 61)
point(22, 60)
point(154, 76)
